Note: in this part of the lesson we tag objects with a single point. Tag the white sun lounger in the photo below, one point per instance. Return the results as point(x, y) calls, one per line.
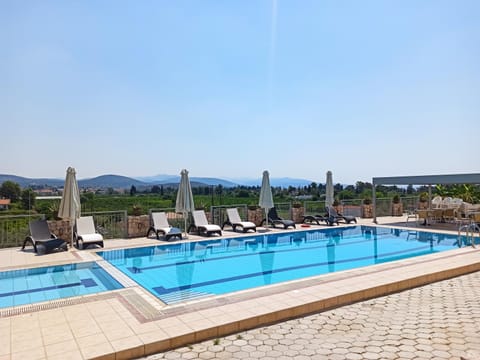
point(200, 223)
point(86, 234)
point(235, 221)
point(162, 227)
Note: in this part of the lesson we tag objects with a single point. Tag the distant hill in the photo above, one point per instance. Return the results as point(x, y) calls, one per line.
point(171, 179)
point(26, 182)
point(275, 182)
point(113, 181)
point(124, 182)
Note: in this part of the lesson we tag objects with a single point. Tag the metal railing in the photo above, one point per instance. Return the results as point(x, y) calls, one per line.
point(284, 210)
point(114, 224)
point(219, 213)
point(352, 207)
point(14, 229)
point(314, 207)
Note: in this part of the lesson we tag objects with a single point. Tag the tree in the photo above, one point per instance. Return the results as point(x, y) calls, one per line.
point(28, 199)
point(156, 189)
point(10, 190)
point(410, 189)
point(133, 190)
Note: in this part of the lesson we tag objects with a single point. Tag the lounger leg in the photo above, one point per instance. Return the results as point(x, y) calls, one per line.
point(28, 240)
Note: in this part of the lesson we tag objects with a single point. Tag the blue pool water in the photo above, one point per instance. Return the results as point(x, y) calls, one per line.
point(184, 271)
point(26, 286)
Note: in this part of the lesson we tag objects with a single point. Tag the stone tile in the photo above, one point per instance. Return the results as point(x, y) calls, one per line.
point(104, 351)
point(61, 347)
point(128, 348)
point(30, 354)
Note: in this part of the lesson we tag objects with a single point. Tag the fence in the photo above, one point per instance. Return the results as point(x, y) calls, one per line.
point(219, 213)
point(14, 229)
point(114, 224)
point(111, 224)
point(174, 219)
point(284, 210)
point(353, 207)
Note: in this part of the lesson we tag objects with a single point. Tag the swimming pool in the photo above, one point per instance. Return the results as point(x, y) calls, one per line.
point(27, 286)
point(185, 271)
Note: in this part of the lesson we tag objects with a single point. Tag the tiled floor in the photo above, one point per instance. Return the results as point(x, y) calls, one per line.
point(131, 323)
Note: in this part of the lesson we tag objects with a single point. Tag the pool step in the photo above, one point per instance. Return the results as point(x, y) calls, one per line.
point(183, 295)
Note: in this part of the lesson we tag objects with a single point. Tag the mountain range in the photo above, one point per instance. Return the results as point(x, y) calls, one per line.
point(124, 182)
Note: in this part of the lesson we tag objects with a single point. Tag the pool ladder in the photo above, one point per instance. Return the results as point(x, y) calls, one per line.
point(470, 230)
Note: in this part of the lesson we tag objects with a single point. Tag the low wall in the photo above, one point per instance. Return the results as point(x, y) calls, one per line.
point(256, 216)
point(137, 226)
point(298, 214)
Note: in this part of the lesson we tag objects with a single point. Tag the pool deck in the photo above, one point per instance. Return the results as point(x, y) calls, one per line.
point(130, 322)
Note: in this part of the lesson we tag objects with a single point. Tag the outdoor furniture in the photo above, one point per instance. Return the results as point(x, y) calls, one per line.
point(85, 233)
point(201, 225)
point(336, 216)
point(162, 227)
point(42, 239)
point(310, 219)
point(411, 214)
point(235, 221)
point(275, 220)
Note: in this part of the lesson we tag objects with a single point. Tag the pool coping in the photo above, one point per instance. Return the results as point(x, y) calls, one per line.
point(195, 321)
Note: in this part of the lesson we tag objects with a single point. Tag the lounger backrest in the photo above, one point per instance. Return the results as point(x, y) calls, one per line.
point(331, 211)
point(199, 217)
point(437, 201)
point(39, 230)
point(272, 214)
point(233, 216)
point(160, 220)
point(85, 225)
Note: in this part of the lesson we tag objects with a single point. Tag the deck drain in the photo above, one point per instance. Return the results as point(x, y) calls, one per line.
point(138, 304)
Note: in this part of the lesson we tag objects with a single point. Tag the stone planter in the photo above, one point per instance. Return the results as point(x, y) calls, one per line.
point(297, 214)
point(367, 211)
point(339, 209)
point(256, 216)
point(61, 229)
point(397, 209)
point(423, 205)
point(138, 226)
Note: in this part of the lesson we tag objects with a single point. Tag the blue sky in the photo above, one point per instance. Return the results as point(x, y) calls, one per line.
point(231, 88)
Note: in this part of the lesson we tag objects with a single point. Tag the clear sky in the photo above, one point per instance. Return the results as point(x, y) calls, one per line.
point(231, 88)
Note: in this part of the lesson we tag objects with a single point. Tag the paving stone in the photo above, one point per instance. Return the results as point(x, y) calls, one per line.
point(241, 355)
point(173, 355)
point(257, 354)
point(353, 356)
point(189, 355)
point(423, 354)
point(248, 348)
point(206, 355)
point(441, 354)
